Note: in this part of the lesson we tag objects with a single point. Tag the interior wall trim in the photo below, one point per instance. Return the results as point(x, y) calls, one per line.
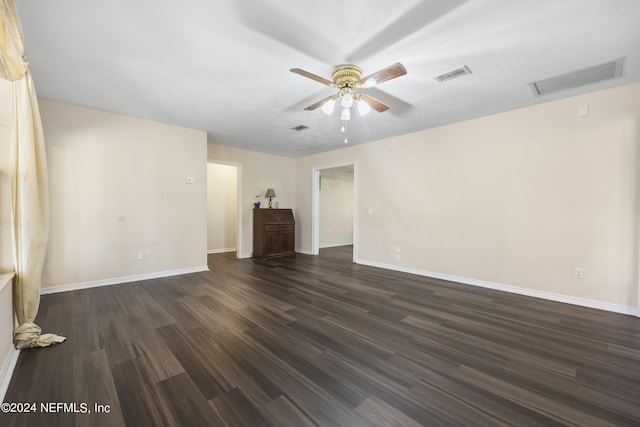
point(221, 251)
point(336, 245)
point(7, 371)
point(118, 280)
point(584, 302)
point(304, 251)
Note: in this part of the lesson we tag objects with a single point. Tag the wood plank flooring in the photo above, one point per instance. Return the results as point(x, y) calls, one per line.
point(320, 341)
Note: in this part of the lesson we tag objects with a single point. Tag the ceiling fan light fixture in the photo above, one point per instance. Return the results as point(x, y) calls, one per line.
point(370, 82)
point(363, 107)
point(346, 100)
point(327, 107)
point(348, 79)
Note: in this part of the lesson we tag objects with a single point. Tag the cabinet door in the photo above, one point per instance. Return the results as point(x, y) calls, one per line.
point(288, 241)
point(272, 243)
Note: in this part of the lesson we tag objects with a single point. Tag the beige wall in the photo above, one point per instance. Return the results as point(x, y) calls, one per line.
point(118, 186)
point(222, 207)
point(519, 198)
point(258, 173)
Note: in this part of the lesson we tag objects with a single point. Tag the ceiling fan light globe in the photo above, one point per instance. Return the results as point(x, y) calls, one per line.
point(327, 107)
point(363, 107)
point(345, 115)
point(370, 82)
point(346, 100)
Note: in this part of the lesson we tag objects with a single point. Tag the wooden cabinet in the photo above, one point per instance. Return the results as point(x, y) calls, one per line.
point(274, 233)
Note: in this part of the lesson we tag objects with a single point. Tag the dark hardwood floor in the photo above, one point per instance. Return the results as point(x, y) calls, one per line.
point(304, 341)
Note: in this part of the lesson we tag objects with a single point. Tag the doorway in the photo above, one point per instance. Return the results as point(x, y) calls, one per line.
point(335, 207)
point(223, 208)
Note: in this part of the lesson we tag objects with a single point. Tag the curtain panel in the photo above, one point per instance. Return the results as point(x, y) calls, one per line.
point(29, 185)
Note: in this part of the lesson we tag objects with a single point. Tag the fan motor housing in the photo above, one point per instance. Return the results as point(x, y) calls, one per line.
point(346, 75)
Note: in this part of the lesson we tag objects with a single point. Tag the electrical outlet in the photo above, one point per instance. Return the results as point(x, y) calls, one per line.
point(140, 255)
point(579, 273)
point(148, 254)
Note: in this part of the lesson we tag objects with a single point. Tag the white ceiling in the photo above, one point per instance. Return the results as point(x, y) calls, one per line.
point(222, 66)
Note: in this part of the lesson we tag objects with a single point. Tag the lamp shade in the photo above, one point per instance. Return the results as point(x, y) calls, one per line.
point(363, 107)
point(327, 107)
point(347, 100)
point(270, 193)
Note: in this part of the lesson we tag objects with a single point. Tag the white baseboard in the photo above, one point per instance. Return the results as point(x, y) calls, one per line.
point(7, 371)
point(221, 251)
point(337, 245)
point(301, 251)
point(600, 305)
point(117, 280)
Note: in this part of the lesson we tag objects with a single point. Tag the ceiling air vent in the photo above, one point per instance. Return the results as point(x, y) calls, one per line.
point(453, 74)
point(300, 127)
point(607, 71)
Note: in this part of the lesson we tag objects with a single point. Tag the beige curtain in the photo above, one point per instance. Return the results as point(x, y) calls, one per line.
point(29, 189)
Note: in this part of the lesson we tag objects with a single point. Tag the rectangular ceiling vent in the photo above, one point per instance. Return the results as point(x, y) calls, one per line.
point(453, 74)
point(300, 127)
point(598, 73)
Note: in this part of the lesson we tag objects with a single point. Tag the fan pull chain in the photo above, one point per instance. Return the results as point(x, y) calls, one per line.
point(344, 130)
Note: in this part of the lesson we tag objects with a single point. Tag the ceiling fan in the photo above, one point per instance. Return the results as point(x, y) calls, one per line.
point(348, 79)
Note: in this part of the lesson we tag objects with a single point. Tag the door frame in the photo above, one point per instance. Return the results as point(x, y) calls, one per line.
point(315, 206)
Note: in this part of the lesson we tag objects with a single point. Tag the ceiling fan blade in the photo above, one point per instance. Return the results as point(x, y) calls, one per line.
point(260, 17)
point(319, 103)
point(388, 73)
point(312, 76)
point(374, 103)
point(413, 20)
